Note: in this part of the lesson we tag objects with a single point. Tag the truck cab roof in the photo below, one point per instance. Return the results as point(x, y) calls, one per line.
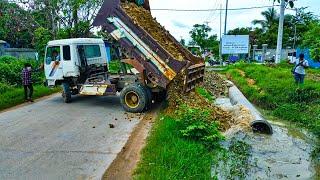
point(76, 41)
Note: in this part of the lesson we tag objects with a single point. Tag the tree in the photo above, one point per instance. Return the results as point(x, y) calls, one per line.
point(200, 37)
point(20, 19)
point(311, 39)
point(42, 37)
point(271, 17)
point(240, 31)
point(16, 25)
point(183, 42)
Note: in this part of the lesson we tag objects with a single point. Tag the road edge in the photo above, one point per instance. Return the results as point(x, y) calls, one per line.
point(28, 103)
point(127, 160)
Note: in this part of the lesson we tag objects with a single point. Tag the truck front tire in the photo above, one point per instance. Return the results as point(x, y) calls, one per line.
point(134, 98)
point(66, 94)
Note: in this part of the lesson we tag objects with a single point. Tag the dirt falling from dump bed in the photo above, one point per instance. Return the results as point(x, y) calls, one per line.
point(176, 97)
point(144, 19)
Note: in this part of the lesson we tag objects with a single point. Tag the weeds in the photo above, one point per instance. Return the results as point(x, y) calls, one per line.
point(275, 90)
point(195, 124)
point(233, 162)
point(183, 143)
point(204, 93)
point(16, 96)
point(169, 156)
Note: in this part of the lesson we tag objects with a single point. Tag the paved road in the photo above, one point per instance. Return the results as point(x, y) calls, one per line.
point(53, 140)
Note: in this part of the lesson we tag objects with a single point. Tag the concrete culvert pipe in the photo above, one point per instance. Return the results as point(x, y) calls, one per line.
point(258, 124)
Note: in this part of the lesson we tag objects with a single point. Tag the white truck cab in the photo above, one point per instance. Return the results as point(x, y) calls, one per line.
point(81, 67)
point(66, 58)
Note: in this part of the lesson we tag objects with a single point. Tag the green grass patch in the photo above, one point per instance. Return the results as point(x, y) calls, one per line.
point(182, 145)
point(15, 96)
point(168, 156)
point(204, 93)
point(274, 89)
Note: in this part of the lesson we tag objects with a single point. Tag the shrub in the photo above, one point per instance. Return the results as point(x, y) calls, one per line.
point(4, 88)
point(195, 125)
point(304, 95)
point(11, 67)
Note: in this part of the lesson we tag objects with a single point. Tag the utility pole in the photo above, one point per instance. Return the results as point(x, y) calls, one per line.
point(220, 44)
point(280, 32)
point(226, 18)
point(220, 20)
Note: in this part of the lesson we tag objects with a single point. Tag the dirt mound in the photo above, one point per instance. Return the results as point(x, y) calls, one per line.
point(214, 83)
point(176, 97)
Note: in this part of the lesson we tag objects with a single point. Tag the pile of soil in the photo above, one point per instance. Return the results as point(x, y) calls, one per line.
point(214, 83)
point(194, 100)
point(144, 19)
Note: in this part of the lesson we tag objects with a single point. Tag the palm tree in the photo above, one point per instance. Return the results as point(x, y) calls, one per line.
point(271, 17)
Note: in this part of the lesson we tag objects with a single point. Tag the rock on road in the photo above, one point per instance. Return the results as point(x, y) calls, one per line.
point(52, 140)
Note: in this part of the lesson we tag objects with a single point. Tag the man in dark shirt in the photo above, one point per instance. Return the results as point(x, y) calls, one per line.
point(27, 82)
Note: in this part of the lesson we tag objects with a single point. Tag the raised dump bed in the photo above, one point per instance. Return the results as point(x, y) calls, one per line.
point(154, 51)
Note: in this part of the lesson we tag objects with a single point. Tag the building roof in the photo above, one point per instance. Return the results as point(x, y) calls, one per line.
point(76, 41)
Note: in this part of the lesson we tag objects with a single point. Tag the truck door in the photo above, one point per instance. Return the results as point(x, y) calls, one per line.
point(69, 61)
point(53, 65)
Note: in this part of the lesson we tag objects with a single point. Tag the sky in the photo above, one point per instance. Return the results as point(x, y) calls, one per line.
point(180, 23)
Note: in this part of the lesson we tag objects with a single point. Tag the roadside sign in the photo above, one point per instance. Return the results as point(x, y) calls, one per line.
point(235, 44)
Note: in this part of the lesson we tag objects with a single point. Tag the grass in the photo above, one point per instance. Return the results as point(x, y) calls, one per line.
point(204, 93)
point(273, 89)
point(15, 96)
point(168, 156)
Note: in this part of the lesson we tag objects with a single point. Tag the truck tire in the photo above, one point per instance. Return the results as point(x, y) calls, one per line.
point(134, 98)
point(66, 94)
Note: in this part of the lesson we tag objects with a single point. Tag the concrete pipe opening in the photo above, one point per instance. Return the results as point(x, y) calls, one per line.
point(261, 126)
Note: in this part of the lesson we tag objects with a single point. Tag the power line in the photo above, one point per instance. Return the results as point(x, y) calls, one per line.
point(205, 10)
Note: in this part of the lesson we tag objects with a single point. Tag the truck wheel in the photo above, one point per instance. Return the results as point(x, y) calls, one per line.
point(66, 94)
point(133, 98)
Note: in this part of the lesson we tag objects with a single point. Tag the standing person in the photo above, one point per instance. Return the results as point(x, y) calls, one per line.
point(299, 70)
point(27, 82)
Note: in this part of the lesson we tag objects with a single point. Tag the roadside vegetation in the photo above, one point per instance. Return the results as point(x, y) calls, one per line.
point(186, 140)
point(11, 90)
point(272, 88)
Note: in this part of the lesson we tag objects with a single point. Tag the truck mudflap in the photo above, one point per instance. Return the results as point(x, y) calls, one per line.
point(194, 76)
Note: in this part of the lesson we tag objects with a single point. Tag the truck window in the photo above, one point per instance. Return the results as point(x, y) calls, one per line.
point(92, 51)
point(66, 53)
point(53, 54)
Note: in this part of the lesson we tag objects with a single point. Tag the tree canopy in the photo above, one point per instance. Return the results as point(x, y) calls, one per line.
point(31, 23)
point(200, 35)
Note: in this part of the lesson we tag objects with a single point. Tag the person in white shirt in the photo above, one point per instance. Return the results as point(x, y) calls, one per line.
point(299, 70)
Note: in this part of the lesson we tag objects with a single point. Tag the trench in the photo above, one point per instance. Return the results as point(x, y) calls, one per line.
point(289, 153)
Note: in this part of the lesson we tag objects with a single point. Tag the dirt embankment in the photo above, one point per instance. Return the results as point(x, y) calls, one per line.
point(216, 86)
point(232, 118)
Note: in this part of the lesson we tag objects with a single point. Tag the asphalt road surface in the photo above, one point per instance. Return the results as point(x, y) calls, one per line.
point(53, 140)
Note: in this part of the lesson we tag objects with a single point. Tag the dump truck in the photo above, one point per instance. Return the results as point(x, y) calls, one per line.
point(81, 65)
